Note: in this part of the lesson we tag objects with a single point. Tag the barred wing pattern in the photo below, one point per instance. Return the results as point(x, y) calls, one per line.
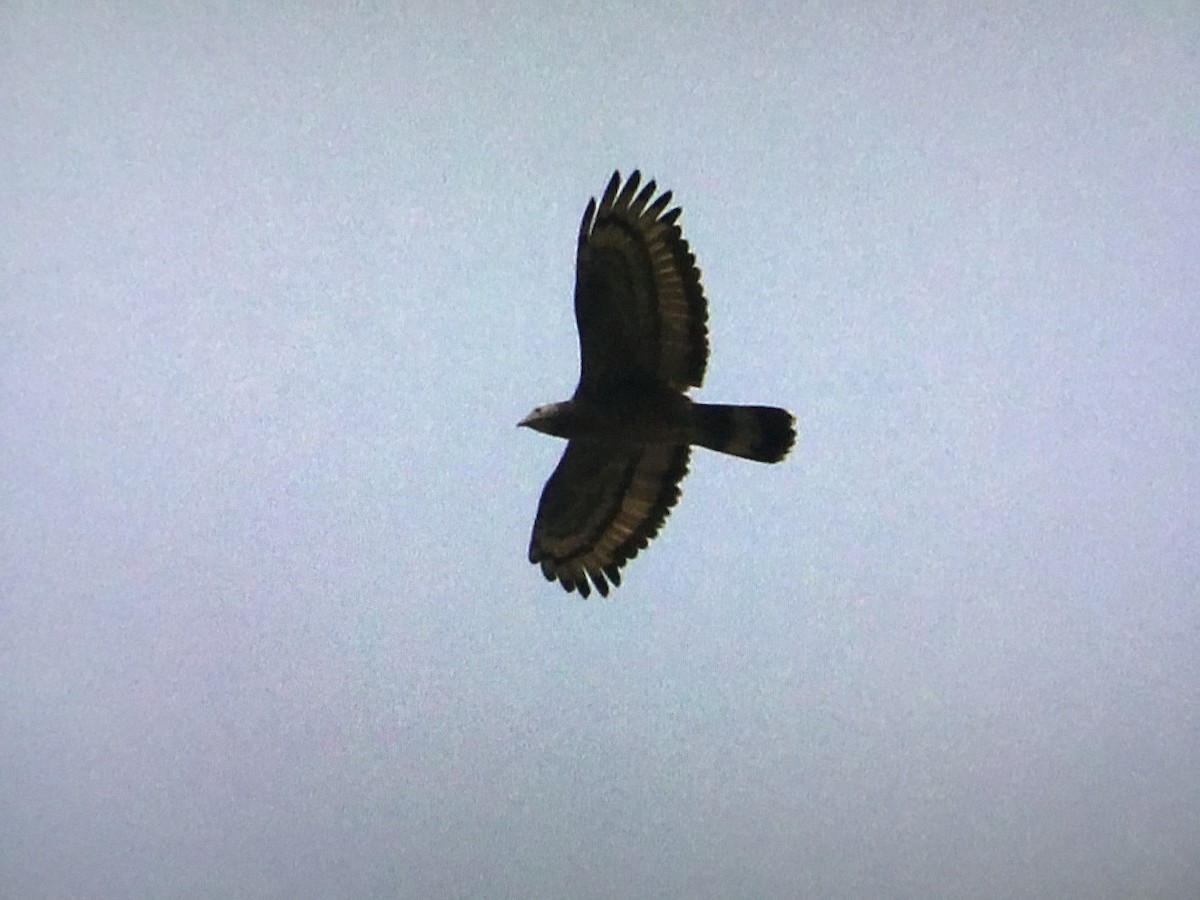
point(600, 507)
point(638, 302)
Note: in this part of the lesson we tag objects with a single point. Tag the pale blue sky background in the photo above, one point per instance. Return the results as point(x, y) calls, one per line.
point(276, 283)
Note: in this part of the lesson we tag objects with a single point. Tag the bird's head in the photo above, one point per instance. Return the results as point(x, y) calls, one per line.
point(548, 419)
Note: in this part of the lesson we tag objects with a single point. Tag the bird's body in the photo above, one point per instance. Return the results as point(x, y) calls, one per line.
point(628, 413)
point(634, 416)
point(643, 341)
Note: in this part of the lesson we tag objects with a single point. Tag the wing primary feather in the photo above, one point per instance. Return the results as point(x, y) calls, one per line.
point(610, 192)
point(640, 201)
point(599, 582)
point(585, 226)
point(658, 205)
point(630, 190)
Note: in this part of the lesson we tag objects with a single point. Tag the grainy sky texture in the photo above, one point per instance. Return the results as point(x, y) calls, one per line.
point(277, 282)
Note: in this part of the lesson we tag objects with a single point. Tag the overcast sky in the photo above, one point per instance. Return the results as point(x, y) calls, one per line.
point(275, 287)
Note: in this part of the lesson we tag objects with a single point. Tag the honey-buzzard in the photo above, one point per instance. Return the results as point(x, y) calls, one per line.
point(643, 343)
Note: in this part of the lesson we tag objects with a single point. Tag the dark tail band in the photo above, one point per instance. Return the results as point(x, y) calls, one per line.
point(761, 433)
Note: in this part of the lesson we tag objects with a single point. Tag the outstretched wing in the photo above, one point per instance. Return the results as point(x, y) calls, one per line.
point(639, 305)
point(600, 507)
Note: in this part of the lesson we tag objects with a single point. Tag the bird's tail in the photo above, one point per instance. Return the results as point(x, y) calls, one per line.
point(761, 433)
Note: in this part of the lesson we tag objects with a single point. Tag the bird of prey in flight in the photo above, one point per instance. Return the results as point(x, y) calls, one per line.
point(643, 343)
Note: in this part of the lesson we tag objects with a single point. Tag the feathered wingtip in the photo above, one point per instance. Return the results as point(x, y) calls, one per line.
point(583, 579)
point(627, 198)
